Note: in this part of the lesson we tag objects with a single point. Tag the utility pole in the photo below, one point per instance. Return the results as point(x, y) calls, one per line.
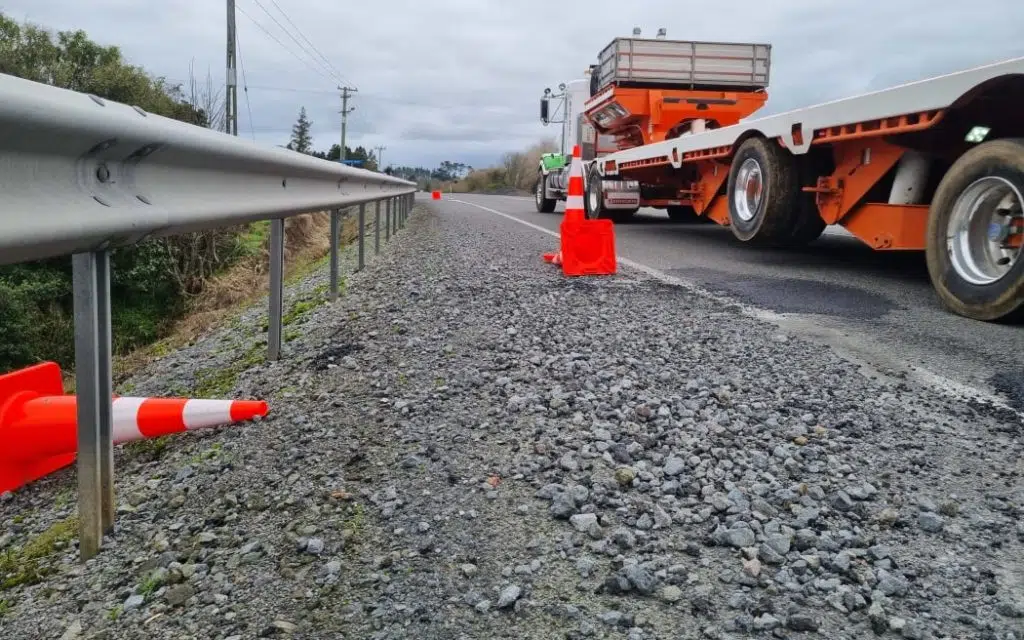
point(344, 115)
point(380, 154)
point(231, 77)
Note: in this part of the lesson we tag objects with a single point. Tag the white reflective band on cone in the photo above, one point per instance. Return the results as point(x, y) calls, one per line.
point(126, 423)
point(206, 413)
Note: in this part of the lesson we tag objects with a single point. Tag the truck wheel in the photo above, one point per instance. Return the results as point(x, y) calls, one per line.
point(544, 204)
point(764, 193)
point(808, 224)
point(684, 215)
point(975, 243)
point(593, 201)
point(807, 228)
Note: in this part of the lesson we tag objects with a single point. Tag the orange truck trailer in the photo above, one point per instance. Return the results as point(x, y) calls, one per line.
point(934, 166)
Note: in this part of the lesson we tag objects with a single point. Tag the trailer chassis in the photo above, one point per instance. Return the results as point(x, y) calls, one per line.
point(934, 166)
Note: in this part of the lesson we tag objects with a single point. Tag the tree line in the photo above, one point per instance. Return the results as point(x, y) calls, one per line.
point(302, 141)
point(515, 173)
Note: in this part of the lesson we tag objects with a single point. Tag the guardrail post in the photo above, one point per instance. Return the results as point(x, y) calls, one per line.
point(362, 236)
point(404, 209)
point(376, 229)
point(276, 289)
point(387, 220)
point(335, 224)
point(93, 388)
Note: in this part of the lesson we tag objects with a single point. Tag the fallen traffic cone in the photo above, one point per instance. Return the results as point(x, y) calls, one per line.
point(39, 424)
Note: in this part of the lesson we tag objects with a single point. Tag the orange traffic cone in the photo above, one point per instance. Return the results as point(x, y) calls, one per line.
point(587, 247)
point(573, 201)
point(39, 424)
point(574, 193)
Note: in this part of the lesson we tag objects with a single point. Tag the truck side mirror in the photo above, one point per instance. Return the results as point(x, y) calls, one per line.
point(544, 117)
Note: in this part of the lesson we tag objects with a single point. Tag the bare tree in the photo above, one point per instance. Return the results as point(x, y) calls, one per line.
point(195, 257)
point(514, 164)
point(207, 99)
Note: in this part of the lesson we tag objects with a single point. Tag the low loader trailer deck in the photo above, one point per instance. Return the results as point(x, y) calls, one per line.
point(935, 166)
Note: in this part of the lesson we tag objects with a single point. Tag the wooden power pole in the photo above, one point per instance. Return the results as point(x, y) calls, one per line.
point(231, 77)
point(345, 91)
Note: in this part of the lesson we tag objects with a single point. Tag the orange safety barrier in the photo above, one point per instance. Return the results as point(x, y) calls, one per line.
point(39, 424)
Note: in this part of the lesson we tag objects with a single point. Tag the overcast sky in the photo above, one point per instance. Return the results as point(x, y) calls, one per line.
point(460, 79)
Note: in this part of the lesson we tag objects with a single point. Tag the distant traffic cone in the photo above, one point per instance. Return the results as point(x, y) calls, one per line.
point(39, 424)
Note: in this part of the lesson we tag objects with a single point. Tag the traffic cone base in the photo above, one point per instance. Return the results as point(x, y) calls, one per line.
point(588, 247)
point(14, 475)
point(39, 425)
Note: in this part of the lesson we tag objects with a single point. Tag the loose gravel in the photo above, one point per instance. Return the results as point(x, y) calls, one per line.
point(468, 444)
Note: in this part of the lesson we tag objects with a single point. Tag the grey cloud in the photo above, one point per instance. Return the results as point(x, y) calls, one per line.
point(460, 79)
point(445, 132)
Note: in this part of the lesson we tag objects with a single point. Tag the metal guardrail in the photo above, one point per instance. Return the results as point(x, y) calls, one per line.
point(80, 176)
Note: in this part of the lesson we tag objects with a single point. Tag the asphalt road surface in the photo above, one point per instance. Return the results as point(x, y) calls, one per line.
point(876, 307)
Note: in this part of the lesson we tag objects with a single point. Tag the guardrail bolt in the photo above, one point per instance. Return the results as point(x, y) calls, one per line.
point(103, 173)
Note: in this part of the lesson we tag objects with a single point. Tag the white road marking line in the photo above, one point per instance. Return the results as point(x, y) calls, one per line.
point(843, 345)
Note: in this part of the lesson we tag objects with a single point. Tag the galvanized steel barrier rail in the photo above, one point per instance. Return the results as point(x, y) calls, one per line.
point(80, 176)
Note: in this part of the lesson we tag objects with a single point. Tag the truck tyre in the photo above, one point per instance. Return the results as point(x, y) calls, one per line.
point(975, 237)
point(593, 201)
point(765, 199)
point(808, 226)
point(684, 215)
point(544, 203)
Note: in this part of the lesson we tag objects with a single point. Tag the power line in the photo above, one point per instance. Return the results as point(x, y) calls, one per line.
point(296, 40)
point(245, 88)
point(368, 96)
point(261, 88)
point(274, 38)
point(299, 31)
